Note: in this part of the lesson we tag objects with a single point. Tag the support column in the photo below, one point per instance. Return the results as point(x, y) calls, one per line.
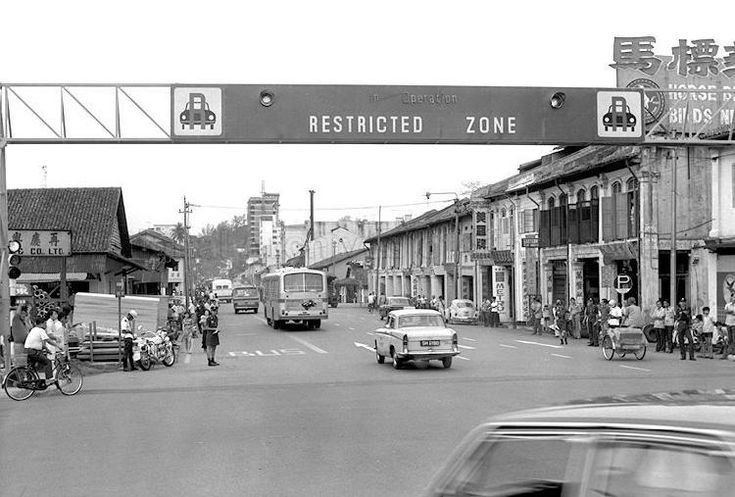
point(547, 283)
point(577, 284)
point(648, 275)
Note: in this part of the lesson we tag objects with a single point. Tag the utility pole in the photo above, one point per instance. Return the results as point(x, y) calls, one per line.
point(186, 211)
point(672, 262)
point(457, 276)
point(310, 234)
point(4, 252)
point(377, 256)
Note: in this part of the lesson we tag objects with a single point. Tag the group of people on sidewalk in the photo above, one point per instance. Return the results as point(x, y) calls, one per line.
point(670, 326)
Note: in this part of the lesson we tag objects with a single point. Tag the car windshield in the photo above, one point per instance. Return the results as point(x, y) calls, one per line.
point(415, 321)
point(398, 301)
point(246, 292)
point(512, 467)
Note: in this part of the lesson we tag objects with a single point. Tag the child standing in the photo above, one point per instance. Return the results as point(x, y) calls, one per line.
point(708, 332)
point(187, 331)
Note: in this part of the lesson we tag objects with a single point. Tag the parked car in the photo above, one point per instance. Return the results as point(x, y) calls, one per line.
point(245, 298)
point(394, 304)
point(415, 335)
point(462, 311)
point(646, 445)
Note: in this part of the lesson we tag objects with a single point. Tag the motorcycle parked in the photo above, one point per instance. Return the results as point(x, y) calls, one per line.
point(152, 347)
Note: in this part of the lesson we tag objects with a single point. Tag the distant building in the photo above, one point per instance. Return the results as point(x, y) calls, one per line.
point(265, 239)
point(164, 258)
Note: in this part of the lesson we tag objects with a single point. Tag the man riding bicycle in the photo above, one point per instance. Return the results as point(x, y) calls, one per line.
point(35, 346)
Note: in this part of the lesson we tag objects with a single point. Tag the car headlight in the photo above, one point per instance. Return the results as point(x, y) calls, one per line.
point(184, 115)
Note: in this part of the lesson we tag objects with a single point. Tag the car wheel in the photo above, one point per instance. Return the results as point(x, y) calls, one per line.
point(397, 363)
point(640, 353)
point(378, 357)
point(447, 362)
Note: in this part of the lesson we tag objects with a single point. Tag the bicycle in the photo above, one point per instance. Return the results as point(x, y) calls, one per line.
point(22, 382)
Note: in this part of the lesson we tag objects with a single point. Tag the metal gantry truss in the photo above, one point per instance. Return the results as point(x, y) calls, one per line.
point(86, 113)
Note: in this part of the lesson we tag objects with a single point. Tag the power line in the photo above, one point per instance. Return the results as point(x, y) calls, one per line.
point(364, 207)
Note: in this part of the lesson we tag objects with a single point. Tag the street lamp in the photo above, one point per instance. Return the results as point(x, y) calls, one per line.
point(457, 277)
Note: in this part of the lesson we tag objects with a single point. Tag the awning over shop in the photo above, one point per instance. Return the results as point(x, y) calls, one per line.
point(618, 251)
point(493, 257)
point(50, 277)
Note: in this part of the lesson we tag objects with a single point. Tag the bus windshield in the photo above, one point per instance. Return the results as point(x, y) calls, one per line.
point(303, 282)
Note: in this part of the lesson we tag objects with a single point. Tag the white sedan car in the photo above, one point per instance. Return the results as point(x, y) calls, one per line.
point(415, 335)
point(462, 311)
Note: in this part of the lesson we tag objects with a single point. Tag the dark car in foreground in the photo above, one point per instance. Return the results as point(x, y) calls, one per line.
point(673, 445)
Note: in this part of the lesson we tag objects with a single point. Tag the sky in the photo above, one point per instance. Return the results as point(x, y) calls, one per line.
point(472, 43)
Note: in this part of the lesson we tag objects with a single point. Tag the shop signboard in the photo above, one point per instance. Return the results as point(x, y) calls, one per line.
point(501, 291)
point(529, 242)
point(43, 243)
point(704, 67)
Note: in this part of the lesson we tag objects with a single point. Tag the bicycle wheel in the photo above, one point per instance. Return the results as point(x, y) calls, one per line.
point(69, 379)
point(17, 383)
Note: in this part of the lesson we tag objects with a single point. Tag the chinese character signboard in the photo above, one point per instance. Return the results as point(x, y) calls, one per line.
point(398, 114)
point(43, 243)
point(530, 242)
point(501, 290)
point(701, 64)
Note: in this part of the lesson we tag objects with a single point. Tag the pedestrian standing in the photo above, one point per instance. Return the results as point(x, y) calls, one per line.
point(575, 313)
point(658, 326)
point(494, 313)
point(212, 337)
point(485, 312)
point(591, 310)
point(371, 301)
point(547, 317)
point(669, 318)
point(441, 307)
point(604, 318)
point(126, 326)
point(538, 316)
point(562, 324)
point(187, 331)
point(558, 312)
point(730, 325)
point(203, 327)
point(683, 321)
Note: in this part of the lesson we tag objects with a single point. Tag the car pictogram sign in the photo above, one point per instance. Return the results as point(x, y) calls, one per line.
point(619, 114)
point(197, 111)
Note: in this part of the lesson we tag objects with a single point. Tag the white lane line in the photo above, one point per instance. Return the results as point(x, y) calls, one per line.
point(370, 333)
point(262, 320)
point(562, 356)
point(460, 357)
point(540, 344)
point(351, 328)
point(187, 358)
point(468, 339)
point(466, 347)
point(242, 334)
point(362, 345)
point(508, 346)
point(635, 368)
point(307, 344)
point(337, 324)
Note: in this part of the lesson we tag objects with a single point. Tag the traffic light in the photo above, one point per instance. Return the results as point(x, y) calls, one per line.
point(14, 248)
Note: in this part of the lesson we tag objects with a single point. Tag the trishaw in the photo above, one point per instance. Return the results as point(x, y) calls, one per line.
point(623, 340)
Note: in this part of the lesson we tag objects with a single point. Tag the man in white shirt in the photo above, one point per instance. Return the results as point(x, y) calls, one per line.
point(34, 345)
point(126, 327)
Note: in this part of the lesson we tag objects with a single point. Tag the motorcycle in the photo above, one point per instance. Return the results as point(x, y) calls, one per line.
point(151, 347)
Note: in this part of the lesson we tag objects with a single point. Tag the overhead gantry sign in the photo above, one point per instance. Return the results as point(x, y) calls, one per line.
point(321, 114)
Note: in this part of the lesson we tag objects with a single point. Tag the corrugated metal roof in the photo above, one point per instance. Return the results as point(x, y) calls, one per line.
point(426, 219)
point(324, 263)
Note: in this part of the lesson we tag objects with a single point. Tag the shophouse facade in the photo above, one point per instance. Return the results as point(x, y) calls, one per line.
point(421, 256)
point(578, 218)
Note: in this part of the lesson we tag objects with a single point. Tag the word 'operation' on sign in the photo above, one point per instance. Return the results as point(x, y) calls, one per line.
point(404, 114)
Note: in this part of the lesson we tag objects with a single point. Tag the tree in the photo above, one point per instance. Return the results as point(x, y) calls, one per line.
point(179, 233)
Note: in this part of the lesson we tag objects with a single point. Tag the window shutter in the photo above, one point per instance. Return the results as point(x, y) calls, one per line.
point(544, 229)
point(608, 219)
point(594, 221)
point(573, 224)
point(621, 216)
